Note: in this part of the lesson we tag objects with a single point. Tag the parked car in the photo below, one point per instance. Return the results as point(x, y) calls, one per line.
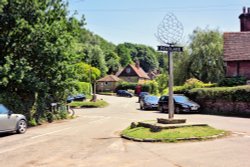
point(141, 95)
point(79, 97)
point(124, 93)
point(149, 102)
point(10, 122)
point(181, 104)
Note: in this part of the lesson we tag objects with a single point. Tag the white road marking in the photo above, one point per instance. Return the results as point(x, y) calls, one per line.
point(45, 134)
point(239, 133)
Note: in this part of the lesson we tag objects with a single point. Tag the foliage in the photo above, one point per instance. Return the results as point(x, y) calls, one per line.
point(230, 94)
point(145, 54)
point(206, 58)
point(162, 81)
point(85, 72)
point(126, 86)
point(112, 61)
point(172, 135)
point(81, 88)
point(232, 81)
point(189, 84)
point(89, 104)
point(181, 65)
point(151, 87)
point(124, 55)
point(36, 49)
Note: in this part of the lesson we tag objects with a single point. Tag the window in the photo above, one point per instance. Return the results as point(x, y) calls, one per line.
point(3, 110)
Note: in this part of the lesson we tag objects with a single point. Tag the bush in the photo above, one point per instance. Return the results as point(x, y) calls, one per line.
point(189, 84)
point(230, 94)
point(233, 81)
point(126, 86)
point(82, 88)
point(151, 87)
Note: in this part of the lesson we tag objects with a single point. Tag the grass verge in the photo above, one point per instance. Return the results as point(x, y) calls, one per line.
point(174, 135)
point(88, 104)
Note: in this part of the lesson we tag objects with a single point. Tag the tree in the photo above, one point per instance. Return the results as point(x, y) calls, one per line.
point(35, 51)
point(112, 61)
point(181, 66)
point(97, 59)
point(145, 54)
point(124, 55)
point(206, 58)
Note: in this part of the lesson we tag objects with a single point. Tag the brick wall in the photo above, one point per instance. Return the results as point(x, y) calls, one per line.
point(238, 68)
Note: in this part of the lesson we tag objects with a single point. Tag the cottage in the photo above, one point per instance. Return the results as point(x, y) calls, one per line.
point(237, 48)
point(134, 73)
point(108, 83)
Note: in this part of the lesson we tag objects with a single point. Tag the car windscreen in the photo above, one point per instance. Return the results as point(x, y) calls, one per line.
point(151, 98)
point(180, 99)
point(3, 110)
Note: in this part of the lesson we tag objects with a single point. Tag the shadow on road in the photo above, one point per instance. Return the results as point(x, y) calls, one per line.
point(6, 134)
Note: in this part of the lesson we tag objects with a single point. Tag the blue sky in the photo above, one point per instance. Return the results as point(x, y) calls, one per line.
point(136, 21)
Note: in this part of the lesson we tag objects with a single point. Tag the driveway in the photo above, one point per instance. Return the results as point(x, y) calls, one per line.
point(92, 140)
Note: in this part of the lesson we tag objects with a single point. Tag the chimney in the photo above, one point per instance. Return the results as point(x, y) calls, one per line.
point(245, 20)
point(137, 64)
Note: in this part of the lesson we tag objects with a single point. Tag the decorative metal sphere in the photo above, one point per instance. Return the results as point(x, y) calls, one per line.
point(170, 30)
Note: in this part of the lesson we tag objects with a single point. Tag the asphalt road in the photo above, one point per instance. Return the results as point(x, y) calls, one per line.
point(92, 140)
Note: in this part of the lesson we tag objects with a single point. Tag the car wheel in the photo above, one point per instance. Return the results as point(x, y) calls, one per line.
point(21, 126)
point(177, 110)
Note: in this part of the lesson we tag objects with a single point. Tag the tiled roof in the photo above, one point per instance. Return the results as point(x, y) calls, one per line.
point(236, 46)
point(140, 72)
point(109, 78)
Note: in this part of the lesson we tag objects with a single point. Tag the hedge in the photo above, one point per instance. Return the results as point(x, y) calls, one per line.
point(230, 94)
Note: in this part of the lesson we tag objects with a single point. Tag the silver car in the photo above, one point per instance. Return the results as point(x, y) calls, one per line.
point(10, 122)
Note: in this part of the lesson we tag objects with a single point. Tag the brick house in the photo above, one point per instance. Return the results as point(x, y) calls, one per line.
point(134, 73)
point(237, 48)
point(107, 84)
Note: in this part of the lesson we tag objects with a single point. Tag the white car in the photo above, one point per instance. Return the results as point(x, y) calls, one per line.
point(10, 122)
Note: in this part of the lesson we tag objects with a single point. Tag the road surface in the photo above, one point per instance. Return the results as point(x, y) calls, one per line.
point(92, 140)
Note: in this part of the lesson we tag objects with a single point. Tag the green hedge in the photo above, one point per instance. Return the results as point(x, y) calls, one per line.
point(233, 81)
point(189, 84)
point(126, 86)
point(230, 94)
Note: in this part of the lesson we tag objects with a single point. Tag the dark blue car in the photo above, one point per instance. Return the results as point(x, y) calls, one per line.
point(79, 97)
point(124, 93)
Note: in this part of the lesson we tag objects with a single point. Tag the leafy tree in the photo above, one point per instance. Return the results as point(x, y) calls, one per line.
point(97, 59)
point(35, 51)
point(181, 66)
point(86, 73)
point(206, 58)
point(124, 55)
point(145, 54)
point(112, 61)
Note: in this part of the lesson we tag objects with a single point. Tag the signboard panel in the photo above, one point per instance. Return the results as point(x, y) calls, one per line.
point(173, 48)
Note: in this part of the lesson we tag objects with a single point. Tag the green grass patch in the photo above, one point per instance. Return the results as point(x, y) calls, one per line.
point(88, 104)
point(172, 135)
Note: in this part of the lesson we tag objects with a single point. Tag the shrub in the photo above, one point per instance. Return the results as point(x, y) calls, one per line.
point(233, 81)
point(126, 86)
point(189, 84)
point(230, 94)
point(151, 87)
point(82, 88)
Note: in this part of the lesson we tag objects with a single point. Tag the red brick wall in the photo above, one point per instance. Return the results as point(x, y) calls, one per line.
point(231, 69)
point(241, 68)
point(245, 69)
